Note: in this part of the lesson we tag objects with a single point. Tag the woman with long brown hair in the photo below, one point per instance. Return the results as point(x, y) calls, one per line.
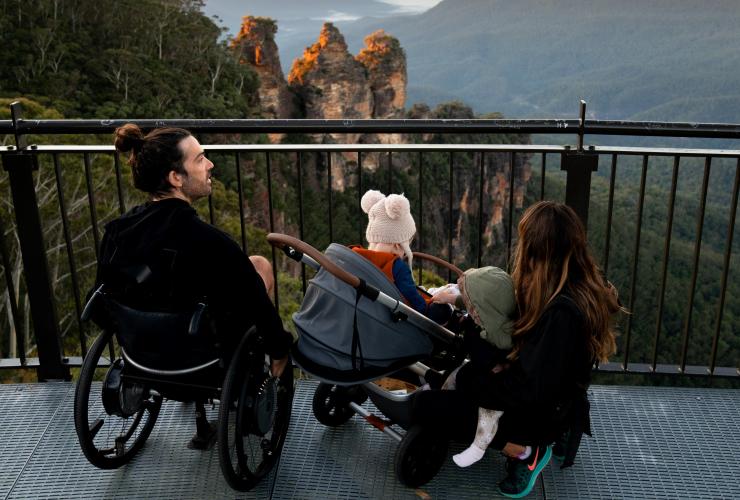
point(552, 257)
point(563, 327)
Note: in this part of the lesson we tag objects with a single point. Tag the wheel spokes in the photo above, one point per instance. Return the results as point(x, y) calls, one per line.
point(95, 427)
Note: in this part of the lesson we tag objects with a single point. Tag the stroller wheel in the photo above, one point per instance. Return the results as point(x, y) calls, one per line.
point(419, 456)
point(331, 403)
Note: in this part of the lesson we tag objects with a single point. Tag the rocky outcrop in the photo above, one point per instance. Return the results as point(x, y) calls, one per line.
point(330, 83)
point(255, 45)
point(327, 82)
point(385, 62)
point(467, 185)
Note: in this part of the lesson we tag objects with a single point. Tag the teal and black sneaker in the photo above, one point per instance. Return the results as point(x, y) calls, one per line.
point(522, 474)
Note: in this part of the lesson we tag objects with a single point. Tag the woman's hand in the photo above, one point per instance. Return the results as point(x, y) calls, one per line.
point(499, 368)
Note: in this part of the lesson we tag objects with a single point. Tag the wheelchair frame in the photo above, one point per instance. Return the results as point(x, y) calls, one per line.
point(254, 407)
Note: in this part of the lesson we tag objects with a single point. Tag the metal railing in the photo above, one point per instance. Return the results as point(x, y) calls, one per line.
point(579, 162)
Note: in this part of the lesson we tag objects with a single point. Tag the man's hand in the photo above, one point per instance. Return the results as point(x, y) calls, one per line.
point(278, 365)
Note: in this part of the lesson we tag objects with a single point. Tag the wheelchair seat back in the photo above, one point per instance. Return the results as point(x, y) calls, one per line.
point(160, 343)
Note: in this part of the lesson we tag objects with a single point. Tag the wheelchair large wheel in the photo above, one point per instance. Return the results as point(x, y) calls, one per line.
point(331, 403)
point(419, 456)
point(113, 417)
point(253, 415)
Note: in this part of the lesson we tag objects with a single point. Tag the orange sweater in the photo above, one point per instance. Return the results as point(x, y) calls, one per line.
point(384, 261)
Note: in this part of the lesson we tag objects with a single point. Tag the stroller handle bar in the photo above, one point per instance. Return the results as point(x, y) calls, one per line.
point(439, 262)
point(303, 252)
point(297, 249)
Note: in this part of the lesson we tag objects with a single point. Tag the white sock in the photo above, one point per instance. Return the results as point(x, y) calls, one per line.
point(469, 456)
point(487, 427)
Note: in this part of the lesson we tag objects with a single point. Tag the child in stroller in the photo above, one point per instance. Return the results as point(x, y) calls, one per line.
point(355, 329)
point(390, 230)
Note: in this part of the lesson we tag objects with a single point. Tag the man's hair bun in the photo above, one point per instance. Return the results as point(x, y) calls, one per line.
point(128, 137)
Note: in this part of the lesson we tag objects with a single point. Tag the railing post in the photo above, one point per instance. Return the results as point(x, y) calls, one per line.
point(579, 165)
point(20, 166)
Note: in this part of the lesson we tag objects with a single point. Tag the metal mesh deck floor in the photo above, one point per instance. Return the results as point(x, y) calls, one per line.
point(649, 443)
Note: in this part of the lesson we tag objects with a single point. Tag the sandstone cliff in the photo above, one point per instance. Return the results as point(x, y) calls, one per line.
point(385, 62)
point(326, 82)
point(255, 45)
point(330, 83)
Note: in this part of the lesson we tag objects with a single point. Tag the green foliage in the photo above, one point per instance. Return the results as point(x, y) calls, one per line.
point(152, 58)
point(290, 298)
point(71, 180)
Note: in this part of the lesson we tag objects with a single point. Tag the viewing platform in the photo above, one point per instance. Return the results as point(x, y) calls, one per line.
point(660, 213)
point(649, 443)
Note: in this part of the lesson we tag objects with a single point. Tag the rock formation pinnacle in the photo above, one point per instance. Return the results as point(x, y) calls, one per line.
point(256, 46)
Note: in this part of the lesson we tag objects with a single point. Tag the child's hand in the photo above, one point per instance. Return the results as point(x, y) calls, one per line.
point(446, 295)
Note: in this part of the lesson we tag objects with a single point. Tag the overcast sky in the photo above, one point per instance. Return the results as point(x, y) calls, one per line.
point(412, 5)
point(231, 11)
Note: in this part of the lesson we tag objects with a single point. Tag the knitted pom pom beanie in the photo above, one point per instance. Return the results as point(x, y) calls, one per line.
point(390, 219)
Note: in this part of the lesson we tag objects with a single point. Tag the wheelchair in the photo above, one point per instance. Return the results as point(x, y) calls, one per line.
point(125, 378)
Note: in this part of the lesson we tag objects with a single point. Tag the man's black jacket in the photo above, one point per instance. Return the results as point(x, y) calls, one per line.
point(161, 256)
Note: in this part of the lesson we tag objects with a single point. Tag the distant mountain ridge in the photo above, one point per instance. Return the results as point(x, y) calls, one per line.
point(667, 60)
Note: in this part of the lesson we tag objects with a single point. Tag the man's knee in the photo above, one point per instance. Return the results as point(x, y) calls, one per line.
point(264, 269)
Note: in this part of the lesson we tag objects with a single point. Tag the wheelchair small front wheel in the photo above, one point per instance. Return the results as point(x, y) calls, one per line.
point(113, 417)
point(254, 415)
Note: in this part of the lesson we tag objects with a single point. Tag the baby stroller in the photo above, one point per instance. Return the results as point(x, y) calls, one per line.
point(354, 328)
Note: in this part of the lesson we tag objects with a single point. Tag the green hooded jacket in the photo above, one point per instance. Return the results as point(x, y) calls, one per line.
point(488, 294)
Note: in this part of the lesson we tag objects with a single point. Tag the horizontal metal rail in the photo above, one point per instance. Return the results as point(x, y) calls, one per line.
point(418, 126)
point(409, 148)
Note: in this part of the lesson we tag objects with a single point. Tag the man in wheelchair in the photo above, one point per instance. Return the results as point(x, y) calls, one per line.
point(160, 261)
point(160, 256)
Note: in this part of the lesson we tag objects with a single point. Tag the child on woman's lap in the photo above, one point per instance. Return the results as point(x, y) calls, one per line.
point(488, 296)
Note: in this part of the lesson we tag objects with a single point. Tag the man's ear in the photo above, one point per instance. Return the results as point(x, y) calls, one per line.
point(174, 179)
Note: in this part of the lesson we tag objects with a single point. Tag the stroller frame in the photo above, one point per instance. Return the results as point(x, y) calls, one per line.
point(420, 453)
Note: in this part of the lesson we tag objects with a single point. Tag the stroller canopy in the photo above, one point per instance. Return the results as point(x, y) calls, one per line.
point(332, 348)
